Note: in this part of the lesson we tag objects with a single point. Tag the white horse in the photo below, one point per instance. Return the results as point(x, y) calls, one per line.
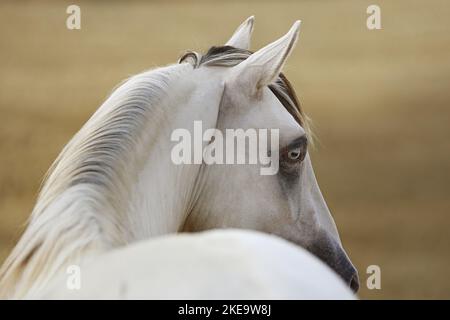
point(115, 183)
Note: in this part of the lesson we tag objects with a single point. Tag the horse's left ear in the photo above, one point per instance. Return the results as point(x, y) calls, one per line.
point(264, 66)
point(241, 37)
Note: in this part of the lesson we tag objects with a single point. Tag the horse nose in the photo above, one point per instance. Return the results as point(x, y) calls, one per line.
point(331, 252)
point(343, 266)
point(354, 282)
point(349, 274)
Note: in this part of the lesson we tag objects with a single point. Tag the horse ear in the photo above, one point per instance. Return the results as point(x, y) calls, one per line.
point(241, 37)
point(264, 66)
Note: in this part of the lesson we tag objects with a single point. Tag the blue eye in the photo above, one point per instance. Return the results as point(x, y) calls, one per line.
point(296, 151)
point(295, 154)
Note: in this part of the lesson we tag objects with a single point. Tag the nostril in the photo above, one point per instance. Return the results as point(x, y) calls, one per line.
point(354, 283)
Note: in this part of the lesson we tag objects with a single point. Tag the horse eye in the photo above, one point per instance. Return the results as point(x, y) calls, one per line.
point(294, 154)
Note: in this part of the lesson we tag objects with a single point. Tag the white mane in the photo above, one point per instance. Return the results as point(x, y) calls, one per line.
point(93, 174)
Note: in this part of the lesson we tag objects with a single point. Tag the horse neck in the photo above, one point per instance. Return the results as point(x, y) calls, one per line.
point(162, 193)
point(147, 195)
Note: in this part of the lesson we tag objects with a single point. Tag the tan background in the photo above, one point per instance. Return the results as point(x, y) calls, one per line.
point(379, 101)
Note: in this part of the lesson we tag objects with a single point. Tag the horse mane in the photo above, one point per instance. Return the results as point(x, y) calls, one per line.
point(98, 162)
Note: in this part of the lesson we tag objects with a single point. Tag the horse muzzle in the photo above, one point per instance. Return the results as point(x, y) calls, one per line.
point(331, 252)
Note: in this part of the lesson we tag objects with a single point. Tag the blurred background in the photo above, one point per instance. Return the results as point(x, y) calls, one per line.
point(379, 100)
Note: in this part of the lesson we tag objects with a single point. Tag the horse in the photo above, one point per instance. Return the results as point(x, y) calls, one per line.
point(115, 183)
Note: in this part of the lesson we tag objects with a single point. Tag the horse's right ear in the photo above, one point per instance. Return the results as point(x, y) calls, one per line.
point(241, 37)
point(263, 67)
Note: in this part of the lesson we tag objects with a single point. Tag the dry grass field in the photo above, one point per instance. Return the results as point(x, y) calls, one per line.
point(380, 102)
